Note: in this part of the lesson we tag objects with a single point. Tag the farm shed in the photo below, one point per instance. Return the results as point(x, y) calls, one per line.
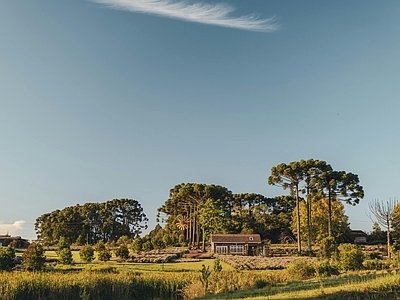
point(244, 244)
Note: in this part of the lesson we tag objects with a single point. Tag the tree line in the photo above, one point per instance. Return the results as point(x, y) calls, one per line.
point(311, 211)
point(92, 222)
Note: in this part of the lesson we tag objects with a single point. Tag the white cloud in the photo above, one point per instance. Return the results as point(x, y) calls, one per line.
point(11, 229)
point(218, 14)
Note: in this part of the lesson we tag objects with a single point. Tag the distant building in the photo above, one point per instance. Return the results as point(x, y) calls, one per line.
point(244, 244)
point(16, 241)
point(359, 236)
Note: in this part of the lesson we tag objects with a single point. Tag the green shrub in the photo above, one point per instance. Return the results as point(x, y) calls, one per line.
point(122, 251)
point(136, 245)
point(217, 267)
point(104, 255)
point(327, 248)
point(65, 256)
point(33, 258)
point(147, 246)
point(350, 257)
point(326, 269)
point(375, 264)
point(100, 246)
point(301, 269)
point(260, 283)
point(7, 255)
point(86, 253)
point(373, 255)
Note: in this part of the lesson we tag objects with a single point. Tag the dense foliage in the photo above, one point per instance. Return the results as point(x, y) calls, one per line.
point(92, 222)
point(194, 211)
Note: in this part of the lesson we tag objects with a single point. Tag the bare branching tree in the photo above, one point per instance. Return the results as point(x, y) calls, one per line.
point(384, 213)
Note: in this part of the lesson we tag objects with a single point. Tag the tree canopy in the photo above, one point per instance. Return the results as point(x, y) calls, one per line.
point(91, 222)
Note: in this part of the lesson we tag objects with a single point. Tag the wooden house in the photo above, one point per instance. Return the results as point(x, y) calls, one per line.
point(244, 244)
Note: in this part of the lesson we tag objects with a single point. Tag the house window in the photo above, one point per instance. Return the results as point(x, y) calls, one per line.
point(250, 238)
point(236, 249)
point(221, 249)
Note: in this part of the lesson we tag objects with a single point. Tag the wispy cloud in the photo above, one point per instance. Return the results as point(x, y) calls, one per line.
point(12, 229)
point(219, 14)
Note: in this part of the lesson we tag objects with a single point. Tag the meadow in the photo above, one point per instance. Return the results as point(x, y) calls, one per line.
point(184, 280)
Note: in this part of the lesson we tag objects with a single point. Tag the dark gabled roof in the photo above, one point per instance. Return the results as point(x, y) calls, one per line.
point(8, 237)
point(358, 233)
point(235, 238)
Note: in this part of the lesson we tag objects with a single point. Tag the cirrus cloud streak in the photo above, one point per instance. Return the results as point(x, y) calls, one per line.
point(219, 14)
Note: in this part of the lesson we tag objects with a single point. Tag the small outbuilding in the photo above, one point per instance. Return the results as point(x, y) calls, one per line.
point(244, 244)
point(15, 241)
point(359, 236)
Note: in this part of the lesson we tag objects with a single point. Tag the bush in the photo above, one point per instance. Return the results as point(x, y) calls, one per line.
point(100, 246)
point(7, 256)
point(350, 257)
point(326, 269)
point(62, 244)
point(217, 267)
point(375, 264)
point(86, 253)
point(327, 248)
point(147, 246)
point(301, 269)
point(260, 283)
point(136, 245)
point(104, 255)
point(122, 251)
point(65, 256)
point(33, 258)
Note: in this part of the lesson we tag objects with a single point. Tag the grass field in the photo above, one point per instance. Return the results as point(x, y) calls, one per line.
point(181, 266)
point(181, 280)
point(354, 286)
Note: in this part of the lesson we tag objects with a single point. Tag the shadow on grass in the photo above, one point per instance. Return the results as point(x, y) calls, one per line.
point(316, 290)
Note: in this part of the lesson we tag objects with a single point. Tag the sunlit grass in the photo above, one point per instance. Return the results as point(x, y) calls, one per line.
point(376, 286)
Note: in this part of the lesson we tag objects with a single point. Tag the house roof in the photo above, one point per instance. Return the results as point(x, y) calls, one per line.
point(358, 233)
point(235, 238)
point(8, 237)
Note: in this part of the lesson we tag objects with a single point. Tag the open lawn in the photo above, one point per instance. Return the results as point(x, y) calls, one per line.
point(180, 266)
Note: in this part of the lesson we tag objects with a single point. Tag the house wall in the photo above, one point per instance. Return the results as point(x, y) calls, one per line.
point(231, 248)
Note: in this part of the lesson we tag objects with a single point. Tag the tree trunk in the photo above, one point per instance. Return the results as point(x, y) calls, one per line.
point(388, 239)
point(204, 241)
point(298, 219)
point(329, 214)
point(309, 227)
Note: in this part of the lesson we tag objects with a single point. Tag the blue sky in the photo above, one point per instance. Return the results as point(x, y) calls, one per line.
point(101, 100)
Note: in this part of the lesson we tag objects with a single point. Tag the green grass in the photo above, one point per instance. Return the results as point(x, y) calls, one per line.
point(182, 266)
point(372, 286)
